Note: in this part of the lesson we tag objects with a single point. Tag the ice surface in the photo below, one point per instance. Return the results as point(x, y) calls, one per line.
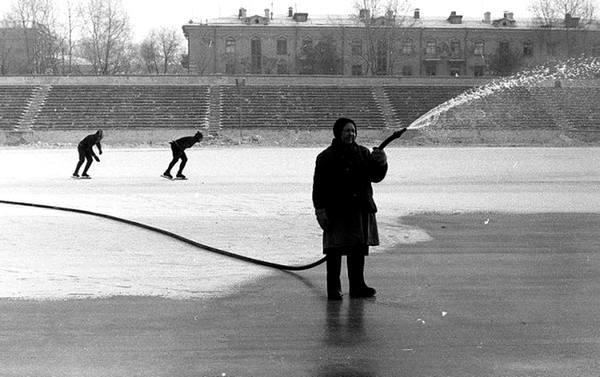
point(252, 201)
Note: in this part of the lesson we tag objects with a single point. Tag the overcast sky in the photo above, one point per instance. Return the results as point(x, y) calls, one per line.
point(148, 14)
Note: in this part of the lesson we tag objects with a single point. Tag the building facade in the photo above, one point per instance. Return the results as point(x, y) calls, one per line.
point(25, 50)
point(408, 46)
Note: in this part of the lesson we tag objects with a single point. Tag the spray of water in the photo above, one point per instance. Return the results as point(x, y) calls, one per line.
point(570, 69)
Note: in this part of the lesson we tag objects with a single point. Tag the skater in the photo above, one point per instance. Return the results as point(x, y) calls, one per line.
point(343, 201)
point(178, 148)
point(86, 152)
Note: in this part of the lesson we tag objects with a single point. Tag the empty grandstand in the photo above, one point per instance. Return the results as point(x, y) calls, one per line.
point(219, 103)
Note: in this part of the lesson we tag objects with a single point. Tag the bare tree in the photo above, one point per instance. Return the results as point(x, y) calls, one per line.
point(161, 50)
point(169, 43)
point(149, 54)
point(551, 13)
point(107, 36)
point(383, 22)
point(66, 38)
point(322, 58)
point(561, 15)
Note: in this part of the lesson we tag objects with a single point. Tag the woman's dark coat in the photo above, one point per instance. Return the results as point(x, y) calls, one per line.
point(342, 186)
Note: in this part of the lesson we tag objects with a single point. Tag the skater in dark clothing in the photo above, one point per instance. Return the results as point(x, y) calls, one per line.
point(178, 148)
point(343, 201)
point(86, 152)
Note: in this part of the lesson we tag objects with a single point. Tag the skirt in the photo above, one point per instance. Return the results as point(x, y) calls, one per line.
point(351, 232)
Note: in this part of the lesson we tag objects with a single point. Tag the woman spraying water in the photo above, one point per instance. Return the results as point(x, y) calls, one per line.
point(343, 201)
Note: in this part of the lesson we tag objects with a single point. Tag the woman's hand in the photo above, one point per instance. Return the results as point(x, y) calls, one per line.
point(379, 156)
point(322, 218)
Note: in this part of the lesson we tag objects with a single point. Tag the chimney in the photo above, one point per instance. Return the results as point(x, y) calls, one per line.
point(242, 12)
point(290, 12)
point(364, 14)
point(571, 22)
point(510, 15)
point(267, 12)
point(454, 18)
point(417, 13)
point(487, 17)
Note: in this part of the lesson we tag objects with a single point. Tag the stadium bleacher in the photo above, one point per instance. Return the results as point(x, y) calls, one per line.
point(14, 100)
point(78, 107)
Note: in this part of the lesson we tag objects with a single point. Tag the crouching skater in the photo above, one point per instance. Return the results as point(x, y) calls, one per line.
point(86, 152)
point(178, 148)
point(344, 206)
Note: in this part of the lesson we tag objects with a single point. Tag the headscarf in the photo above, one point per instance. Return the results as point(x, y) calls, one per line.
point(339, 124)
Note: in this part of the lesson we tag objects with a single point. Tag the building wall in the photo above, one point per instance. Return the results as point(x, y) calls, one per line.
point(13, 53)
point(207, 47)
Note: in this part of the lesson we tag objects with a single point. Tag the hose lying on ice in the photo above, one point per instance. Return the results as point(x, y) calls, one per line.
point(172, 235)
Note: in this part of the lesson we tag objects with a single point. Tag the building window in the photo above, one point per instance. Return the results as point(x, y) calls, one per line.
point(430, 48)
point(454, 70)
point(478, 70)
point(282, 46)
point(407, 70)
point(230, 46)
point(431, 69)
point(255, 55)
point(551, 48)
point(282, 68)
point(407, 47)
point(356, 47)
point(230, 68)
point(307, 44)
point(503, 48)
point(357, 70)
point(455, 48)
point(528, 48)
point(479, 48)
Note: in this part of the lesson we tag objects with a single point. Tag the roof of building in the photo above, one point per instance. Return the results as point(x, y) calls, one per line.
point(506, 21)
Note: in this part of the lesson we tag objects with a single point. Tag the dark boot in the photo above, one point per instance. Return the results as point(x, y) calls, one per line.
point(358, 287)
point(334, 268)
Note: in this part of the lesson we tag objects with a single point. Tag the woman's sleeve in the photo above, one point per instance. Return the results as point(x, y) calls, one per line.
point(377, 171)
point(319, 184)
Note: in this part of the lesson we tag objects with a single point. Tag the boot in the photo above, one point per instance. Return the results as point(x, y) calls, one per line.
point(334, 285)
point(358, 287)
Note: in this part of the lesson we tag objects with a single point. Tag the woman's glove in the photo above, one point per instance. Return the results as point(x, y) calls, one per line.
point(379, 156)
point(322, 218)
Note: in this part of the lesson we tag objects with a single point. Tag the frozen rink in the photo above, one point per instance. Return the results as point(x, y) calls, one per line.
point(252, 201)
